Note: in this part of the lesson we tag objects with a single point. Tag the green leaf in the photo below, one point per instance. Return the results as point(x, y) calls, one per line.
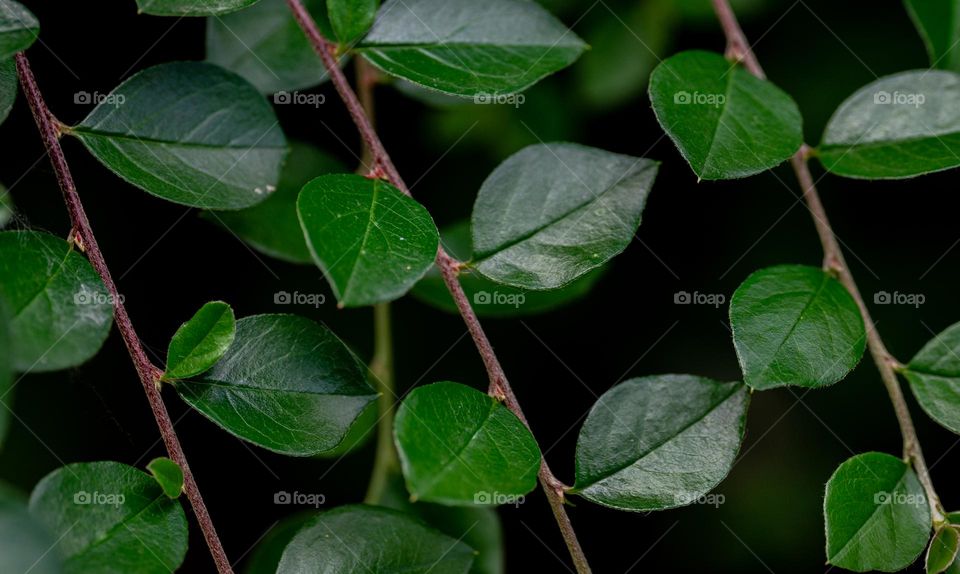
point(660, 442)
point(459, 446)
point(795, 325)
point(191, 7)
point(943, 550)
point(899, 126)
point(7, 209)
point(936, 22)
point(492, 299)
point(470, 48)
point(370, 539)
point(61, 310)
point(18, 28)
point(552, 212)
point(6, 372)
point(265, 556)
point(110, 518)
point(24, 543)
point(876, 514)
point(265, 45)
point(188, 132)
point(286, 384)
point(725, 122)
point(351, 19)
point(201, 341)
point(371, 241)
point(934, 377)
point(168, 475)
point(272, 227)
point(8, 88)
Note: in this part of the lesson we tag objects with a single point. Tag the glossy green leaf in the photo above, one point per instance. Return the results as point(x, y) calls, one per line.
point(371, 241)
point(552, 212)
point(942, 551)
point(460, 446)
point(877, 517)
point(934, 377)
point(358, 538)
point(188, 132)
point(168, 475)
point(61, 310)
point(272, 227)
point(351, 19)
point(9, 85)
point(936, 20)
point(899, 126)
point(492, 299)
point(659, 442)
point(265, 556)
point(470, 48)
point(24, 543)
point(265, 45)
point(109, 518)
point(18, 28)
point(286, 384)
point(191, 7)
point(795, 325)
point(725, 122)
point(201, 341)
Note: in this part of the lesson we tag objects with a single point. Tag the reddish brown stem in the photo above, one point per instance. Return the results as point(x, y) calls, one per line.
point(149, 373)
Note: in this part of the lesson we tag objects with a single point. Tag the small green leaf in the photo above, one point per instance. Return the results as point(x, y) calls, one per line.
point(934, 377)
point(899, 126)
point(660, 442)
point(18, 28)
point(201, 341)
point(24, 543)
point(8, 90)
point(110, 518)
point(552, 212)
point(61, 310)
point(265, 45)
point(469, 48)
point(726, 122)
point(191, 7)
point(371, 241)
point(214, 144)
point(943, 549)
point(492, 299)
point(795, 325)
point(286, 384)
point(371, 539)
point(876, 514)
point(936, 22)
point(168, 475)
point(459, 446)
point(351, 19)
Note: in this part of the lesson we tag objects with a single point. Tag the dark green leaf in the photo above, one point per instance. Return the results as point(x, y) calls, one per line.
point(6, 370)
point(8, 90)
point(660, 442)
point(190, 133)
point(371, 241)
point(934, 376)
point(470, 48)
point(272, 227)
point(353, 539)
point(876, 514)
point(795, 325)
point(903, 125)
point(726, 122)
point(191, 7)
point(459, 446)
point(265, 45)
point(265, 556)
point(24, 543)
point(492, 299)
point(168, 475)
point(552, 212)
point(6, 207)
point(351, 19)
point(936, 22)
point(943, 550)
point(61, 310)
point(286, 384)
point(18, 28)
point(110, 518)
point(201, 341)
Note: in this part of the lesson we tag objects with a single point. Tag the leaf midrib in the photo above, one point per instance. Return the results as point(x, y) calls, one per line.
point(79, 131)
